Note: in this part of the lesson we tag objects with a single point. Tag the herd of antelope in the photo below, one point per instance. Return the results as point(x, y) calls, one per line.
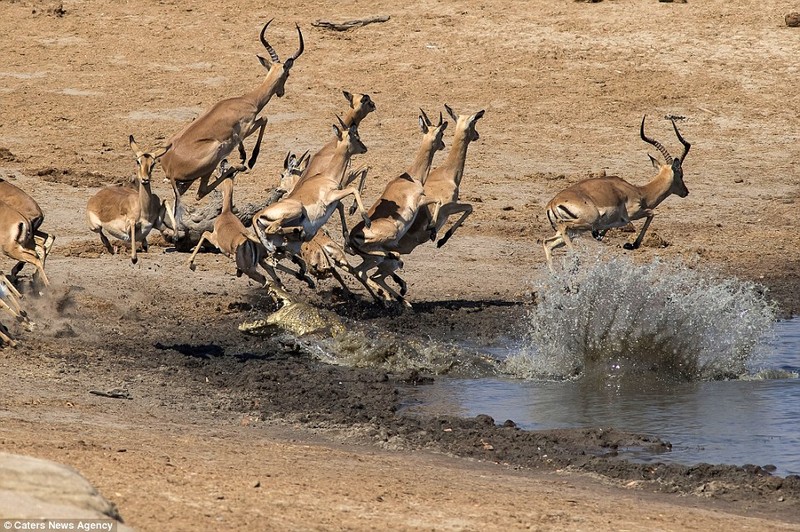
point(413, 208)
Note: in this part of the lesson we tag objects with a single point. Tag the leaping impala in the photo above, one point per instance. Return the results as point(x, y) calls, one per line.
point(198, 149)
point(360, 106)
point(444, 184)
point(321, 255)
point(396, 209)
point(126, 213)
point(24, 204)
point(602, 203)
point(234, 240)
point(16, 239)
point(298, 216)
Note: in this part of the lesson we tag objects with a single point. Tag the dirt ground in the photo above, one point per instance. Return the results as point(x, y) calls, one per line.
point(223, 430)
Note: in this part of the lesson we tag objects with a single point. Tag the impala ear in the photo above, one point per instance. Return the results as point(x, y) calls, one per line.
point(134, 146)
point(266, 63)
point(479, 115)
point(653, 160)
point(161, 152)
point(444, 125)
point(337, 132)
point(348, 97)
point(422, 125)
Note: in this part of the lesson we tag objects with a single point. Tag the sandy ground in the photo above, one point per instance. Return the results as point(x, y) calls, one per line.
point(564, 86)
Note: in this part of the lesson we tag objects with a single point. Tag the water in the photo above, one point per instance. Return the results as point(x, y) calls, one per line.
point(658, 349)
point(720, 422)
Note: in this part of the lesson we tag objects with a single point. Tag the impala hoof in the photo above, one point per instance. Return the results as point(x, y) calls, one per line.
point(629, 246)
point(192, 266)
point(367, 221)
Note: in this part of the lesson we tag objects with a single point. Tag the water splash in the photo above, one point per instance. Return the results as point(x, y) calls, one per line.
point(612, 316)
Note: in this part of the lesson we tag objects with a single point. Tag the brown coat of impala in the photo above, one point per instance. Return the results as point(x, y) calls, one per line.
point(129, 214)
point(198, 149)
point(603, 203)
point(395, 210)
point(24, 204)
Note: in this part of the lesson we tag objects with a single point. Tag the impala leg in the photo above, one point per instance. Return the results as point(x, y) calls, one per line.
point(205, 236)
point(638, 241)
point(382, 282)
point(261, 125)
point(6, 339)
point(25, 255)
point(549, 245)
point(104, 240)
point(175, 216)
point(362, 179)
point(465, 209)
point(338, 195)
point(9, 299)
point(9, 286)
point(345, 232)
point(134, 258)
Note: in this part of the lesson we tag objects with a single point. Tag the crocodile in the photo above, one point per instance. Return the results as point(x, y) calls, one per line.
point(296, 317)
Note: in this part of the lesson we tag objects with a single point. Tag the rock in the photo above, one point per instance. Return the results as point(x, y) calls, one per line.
point(793, 20)
point(31, 488)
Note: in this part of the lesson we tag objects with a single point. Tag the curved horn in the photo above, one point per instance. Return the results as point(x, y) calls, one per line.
point(302, 158)
point(686, 145)
point(302, 47)
point(425, 117)
point(272, 53)
point(440, 119)
point(658, 146)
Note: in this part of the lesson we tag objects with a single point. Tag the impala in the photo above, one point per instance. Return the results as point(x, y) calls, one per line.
point(129, 214)
point(602, 203)
point(16, 239)
point(395, 210)
point(198, 149)
point(443, 184)
point(360, 106)
point(232, 238)
point(301, 213)
point(24, 204)
point(321, 255)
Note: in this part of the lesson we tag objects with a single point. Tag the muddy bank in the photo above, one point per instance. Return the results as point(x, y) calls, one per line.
point(278, 379)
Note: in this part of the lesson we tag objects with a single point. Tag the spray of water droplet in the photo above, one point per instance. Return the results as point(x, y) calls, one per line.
point(612, 316)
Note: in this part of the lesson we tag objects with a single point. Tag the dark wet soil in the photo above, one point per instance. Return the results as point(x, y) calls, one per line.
point(276, 378)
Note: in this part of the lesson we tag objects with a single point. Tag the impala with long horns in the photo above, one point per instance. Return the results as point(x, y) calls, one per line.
point(198, 149)
point(602, 203)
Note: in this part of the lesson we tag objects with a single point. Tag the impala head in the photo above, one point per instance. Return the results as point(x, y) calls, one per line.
point(672, 165)
point(350, 136)
point(434, 132)
point(278, 71)
point(293, 168)
point(465, 123)
point(145, 162)
point(361, 104)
